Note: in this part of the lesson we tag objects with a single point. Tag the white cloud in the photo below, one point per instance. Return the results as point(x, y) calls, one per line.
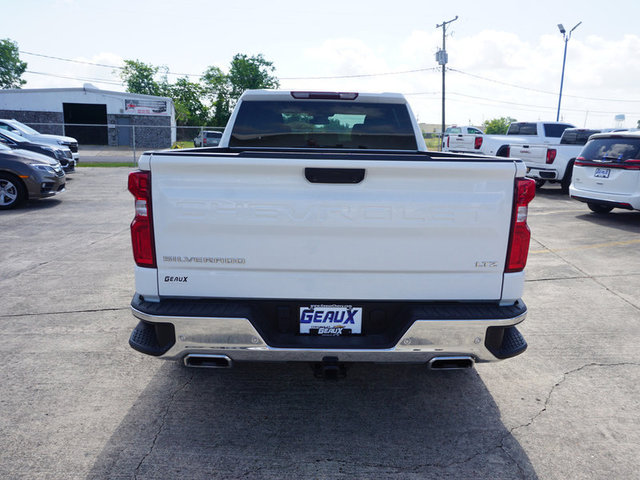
point(595, 69)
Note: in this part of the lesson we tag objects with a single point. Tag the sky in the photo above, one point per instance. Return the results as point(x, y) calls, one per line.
point(505, 58)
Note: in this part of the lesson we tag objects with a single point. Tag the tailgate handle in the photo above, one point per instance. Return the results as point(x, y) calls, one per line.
point(334, 175)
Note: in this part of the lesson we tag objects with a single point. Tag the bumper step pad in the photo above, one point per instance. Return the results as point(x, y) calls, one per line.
point(505, 342)
point(152, 339)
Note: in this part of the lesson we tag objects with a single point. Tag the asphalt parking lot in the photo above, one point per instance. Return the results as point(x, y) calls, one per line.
point(77, 403)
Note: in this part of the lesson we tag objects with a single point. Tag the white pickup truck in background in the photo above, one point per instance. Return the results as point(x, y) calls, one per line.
point(553, 163)
point(518, 133)
point(464, 138)
point(322, 230)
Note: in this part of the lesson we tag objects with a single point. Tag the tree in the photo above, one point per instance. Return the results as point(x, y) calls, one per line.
point(245, 73)
point(11, 67)
point(497, 126)
point(188, 101)
point(139, 77)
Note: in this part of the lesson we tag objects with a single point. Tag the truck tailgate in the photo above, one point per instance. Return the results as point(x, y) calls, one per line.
point(238, 226)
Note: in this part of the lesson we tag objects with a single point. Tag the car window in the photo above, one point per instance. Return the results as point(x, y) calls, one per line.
point(576, 137)
point(213, 134)
point(19, 126)
point(12, 136)
point(453, 130)
point(475, 131)
point(323, 124)
point(555, 129)
point(616, 149)
point(522, 128)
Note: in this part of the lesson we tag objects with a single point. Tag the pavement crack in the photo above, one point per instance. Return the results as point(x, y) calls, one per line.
point(162, 424)
point(65, 312)
point(565, 375)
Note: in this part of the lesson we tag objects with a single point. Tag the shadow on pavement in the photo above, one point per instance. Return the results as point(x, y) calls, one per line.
point(628, 221)
point(278, 421)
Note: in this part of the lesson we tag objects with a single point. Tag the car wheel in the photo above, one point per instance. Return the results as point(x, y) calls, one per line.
point(598, 208)
point(12, 192)
point(540, 182)
point(566, 180)
point(195, 144)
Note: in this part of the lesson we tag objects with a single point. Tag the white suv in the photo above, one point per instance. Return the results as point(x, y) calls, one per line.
point(32, 135)
point(606, 175)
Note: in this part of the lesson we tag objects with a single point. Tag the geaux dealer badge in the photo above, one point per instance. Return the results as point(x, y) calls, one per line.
point(331, 320)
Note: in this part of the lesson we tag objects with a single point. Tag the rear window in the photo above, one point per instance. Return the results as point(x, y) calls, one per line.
point(523, 129)
point(213, 134)
point(555, 129)
point(612, 149)
point(576, 137)
point(453, 130)
point(323, 124)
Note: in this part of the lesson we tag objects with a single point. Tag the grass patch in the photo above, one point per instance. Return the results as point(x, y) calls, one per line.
point(106, 164)
point(433, 144)
point(185, 144)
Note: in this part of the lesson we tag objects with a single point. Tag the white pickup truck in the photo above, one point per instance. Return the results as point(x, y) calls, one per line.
point(322, 230)
point(553, 163)
point(462, 139)
point(518, 133)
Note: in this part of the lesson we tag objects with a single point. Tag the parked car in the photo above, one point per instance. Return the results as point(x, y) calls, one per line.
point(207, 138)
point(27, 175)
point(465, 138)
point(606, 174)
point(62, 155)
point(30, 134)
point(553, 163)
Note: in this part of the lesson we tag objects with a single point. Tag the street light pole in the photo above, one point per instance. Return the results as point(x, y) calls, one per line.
point(566, 36)
point(442, 59)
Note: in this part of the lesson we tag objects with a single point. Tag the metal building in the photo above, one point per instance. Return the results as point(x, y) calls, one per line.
point(94, 116)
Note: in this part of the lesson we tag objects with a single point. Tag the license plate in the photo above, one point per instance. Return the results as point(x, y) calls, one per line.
point(331, 320)
point(602, 172)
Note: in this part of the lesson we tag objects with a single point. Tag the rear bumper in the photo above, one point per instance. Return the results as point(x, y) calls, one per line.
point(628, 202)
point(542, 173)
point(176, 328)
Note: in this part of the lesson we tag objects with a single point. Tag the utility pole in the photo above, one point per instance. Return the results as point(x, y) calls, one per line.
point(567, 37)
point(442, 58)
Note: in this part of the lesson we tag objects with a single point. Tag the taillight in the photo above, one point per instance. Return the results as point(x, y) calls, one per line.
point(477, 143)
point(448, 141)
point(551, 155)
point(204, 141)
point(629, 164)
point(520, 235)
point(507, 151)
point(142, 226)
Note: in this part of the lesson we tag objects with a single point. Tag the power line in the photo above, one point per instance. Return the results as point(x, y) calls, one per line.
point(494, 102)
point(536, 89)
point(97, 80)
point(83, 62)
point(432, 69)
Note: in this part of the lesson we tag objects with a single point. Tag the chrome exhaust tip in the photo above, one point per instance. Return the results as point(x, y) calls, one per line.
point(451, 363)
point(203, 360)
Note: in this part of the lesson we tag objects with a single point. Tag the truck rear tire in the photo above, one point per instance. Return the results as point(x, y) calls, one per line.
point(566, 180)
point(598, 208)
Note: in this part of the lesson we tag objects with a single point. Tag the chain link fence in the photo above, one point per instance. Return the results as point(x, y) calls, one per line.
point(124, 141)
